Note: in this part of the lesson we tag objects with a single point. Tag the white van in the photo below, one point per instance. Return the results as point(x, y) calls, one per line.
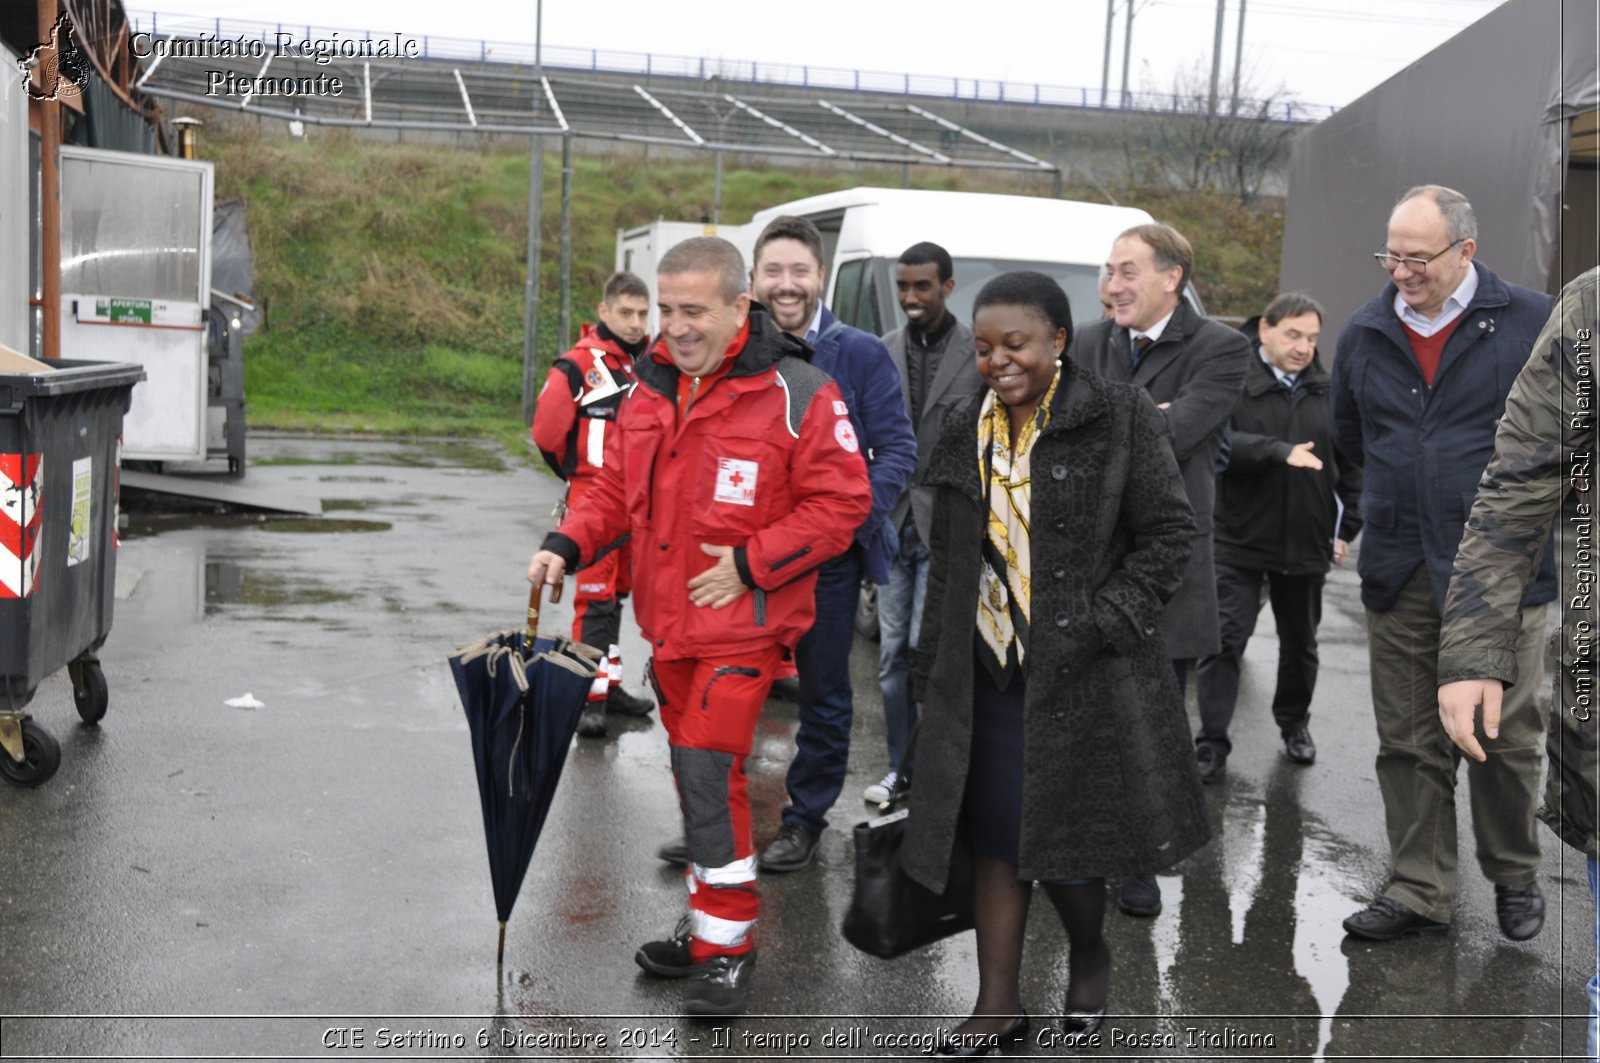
point(864, 230)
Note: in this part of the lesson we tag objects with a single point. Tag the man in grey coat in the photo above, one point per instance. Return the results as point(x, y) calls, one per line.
point(938, 371)
point(1194, 369)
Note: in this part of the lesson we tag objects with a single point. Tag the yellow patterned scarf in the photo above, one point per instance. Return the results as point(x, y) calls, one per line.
point(1004, 579)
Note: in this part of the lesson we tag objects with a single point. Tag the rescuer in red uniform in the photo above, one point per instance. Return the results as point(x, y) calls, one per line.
point(576, 413)
point(737, 472)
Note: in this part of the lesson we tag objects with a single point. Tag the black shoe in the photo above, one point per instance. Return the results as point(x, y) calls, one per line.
point(1298, 746)
point(1140, 895)
point(786, 689)
point(1078, 1026)
point(669, 958)
point(675, 852)
point(592, 721)
point(721, 986)
point(1212, 761)
point(1521, 910)
point(1387, 920)
point(794, 848)
point(994, 1044)
point(621, 703)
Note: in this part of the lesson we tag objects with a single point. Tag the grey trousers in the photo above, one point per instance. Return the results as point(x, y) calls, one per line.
point(1417, 763)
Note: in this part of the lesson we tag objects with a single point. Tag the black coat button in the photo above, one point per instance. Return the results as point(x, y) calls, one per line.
point(1058, 472)
point(1063, 620)
point(1149, 629)
point(1059, 572)
point(1061, 523)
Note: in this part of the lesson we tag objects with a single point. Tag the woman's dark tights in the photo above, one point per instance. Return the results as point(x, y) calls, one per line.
point(1000, 910)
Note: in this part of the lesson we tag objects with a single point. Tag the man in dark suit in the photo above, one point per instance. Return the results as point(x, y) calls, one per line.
point(1287, 507)
point(1194, 369)
point(938, 370)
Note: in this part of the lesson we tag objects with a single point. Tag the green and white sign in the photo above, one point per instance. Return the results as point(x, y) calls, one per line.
point(116, 310)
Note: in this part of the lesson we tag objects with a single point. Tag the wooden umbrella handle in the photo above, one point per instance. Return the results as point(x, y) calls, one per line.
point(533, 604)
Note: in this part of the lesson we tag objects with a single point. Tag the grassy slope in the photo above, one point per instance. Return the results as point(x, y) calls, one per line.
point(393, 274)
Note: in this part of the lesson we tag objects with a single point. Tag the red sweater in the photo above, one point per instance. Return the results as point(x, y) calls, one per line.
point(1427, 349)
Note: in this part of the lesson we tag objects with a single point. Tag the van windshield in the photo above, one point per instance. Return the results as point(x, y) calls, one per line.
point(1081, 283)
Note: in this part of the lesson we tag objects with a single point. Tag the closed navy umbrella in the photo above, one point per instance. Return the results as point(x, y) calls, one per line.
point(522, 695)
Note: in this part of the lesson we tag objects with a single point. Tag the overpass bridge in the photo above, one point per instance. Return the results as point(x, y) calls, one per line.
point(392, 85)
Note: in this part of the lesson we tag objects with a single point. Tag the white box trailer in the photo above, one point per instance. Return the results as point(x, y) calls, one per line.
point(864, 230)
point(135, 283)
point(640, 248)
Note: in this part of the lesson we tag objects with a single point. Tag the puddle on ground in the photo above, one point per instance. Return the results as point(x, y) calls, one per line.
point(431, 454)
point(320, 526)
point(147, 525)
point(341, 505)
point(230, 583)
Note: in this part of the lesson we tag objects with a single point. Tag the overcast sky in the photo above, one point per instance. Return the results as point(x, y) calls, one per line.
point(1320, 51)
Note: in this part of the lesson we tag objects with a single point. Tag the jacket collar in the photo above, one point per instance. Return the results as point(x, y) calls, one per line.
point(1179, 327)
point(598, 335)
point(1379, 313)
point(1082, 398)
point(924, 340)
point(1261, 380)
point(761, 351)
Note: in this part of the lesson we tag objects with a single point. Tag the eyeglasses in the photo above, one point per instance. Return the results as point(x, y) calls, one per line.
point(1390, 263)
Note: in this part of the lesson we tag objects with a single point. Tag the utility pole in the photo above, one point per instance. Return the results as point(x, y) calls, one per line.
point(530, 293)
point(1105, 66)
point(1216, 56)
point(1127, 51)
point(565, 330)
point(1238, 58)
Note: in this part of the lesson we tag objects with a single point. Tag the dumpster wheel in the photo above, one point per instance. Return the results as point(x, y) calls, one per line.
point(41, 757)
point(89, 690)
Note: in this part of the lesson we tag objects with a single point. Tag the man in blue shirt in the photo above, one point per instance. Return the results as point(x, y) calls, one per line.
point(788, 277)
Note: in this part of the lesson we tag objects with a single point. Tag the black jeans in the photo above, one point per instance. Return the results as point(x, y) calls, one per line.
point(1297, 608)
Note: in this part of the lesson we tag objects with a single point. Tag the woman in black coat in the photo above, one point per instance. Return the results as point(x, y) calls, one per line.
point(1052, 739)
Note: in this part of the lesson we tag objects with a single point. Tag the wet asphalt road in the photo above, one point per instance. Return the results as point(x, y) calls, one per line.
point(307, 878)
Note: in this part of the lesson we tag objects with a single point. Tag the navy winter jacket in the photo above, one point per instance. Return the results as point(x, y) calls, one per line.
point(860, 364)
point(1423, 449)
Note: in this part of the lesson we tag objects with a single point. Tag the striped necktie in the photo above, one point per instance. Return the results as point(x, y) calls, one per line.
point(1140, 345)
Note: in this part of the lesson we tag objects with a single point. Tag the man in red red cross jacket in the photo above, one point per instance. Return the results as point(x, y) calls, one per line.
point(575, 415)
point(736, 472)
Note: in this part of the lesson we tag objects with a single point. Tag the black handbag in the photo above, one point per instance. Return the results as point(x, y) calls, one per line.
point(889, 913)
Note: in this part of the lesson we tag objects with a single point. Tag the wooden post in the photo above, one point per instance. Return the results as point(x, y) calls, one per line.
point(49, 122)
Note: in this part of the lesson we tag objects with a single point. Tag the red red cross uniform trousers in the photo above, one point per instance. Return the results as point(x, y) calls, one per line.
point(759, 456)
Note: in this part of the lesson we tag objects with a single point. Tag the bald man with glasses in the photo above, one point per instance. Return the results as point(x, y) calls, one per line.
point(1420, 379)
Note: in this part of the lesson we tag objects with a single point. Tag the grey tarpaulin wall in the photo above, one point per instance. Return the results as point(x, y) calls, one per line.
point(1486, 113)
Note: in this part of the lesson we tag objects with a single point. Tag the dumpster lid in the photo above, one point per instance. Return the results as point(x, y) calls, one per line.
point(65, 376)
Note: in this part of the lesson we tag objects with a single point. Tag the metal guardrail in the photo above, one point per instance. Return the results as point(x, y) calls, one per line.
point(710, 70)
